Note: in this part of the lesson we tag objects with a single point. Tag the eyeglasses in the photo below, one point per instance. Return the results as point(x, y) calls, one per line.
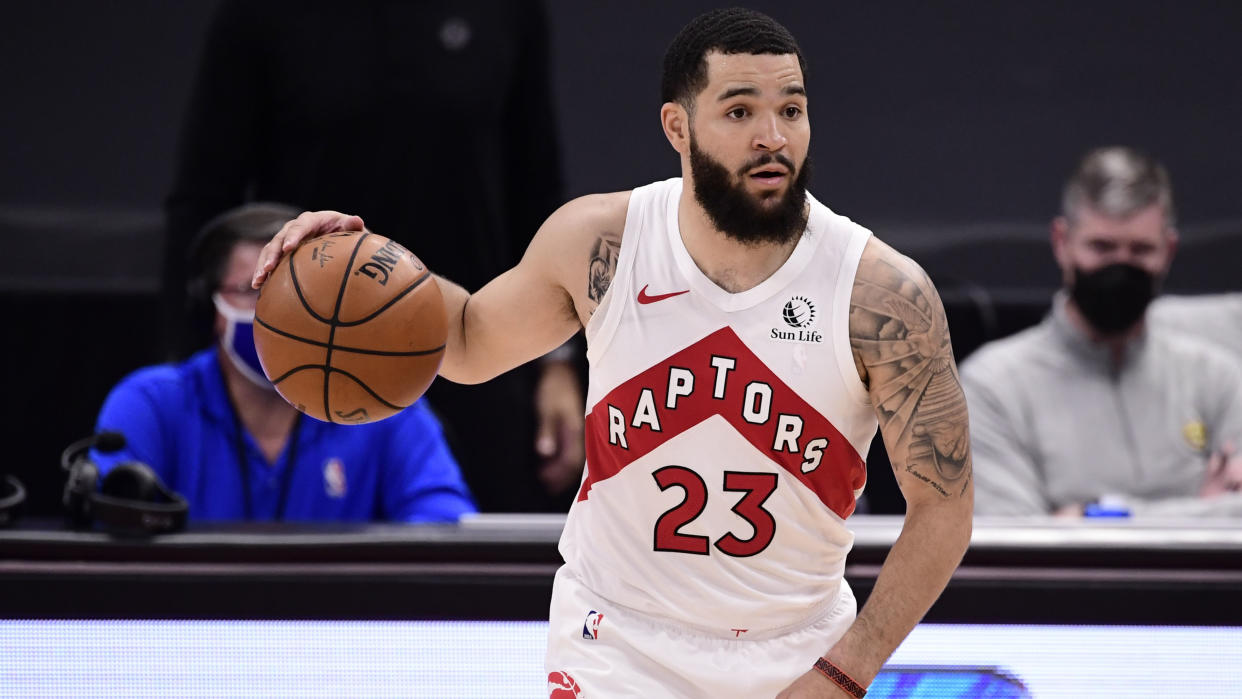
point(240, 294)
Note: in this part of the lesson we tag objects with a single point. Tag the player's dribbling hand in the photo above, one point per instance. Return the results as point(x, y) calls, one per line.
point(813, 685)
point(308, 225)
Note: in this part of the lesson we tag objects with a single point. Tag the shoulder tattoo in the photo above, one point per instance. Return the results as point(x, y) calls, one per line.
point(602, 266)
point(900, 336)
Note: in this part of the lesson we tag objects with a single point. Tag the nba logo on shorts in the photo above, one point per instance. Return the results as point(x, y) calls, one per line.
point(562, 686)
point(334, 478)
point(590, 629)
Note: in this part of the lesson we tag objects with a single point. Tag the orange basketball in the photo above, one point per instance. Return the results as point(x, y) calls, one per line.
point(350, 327)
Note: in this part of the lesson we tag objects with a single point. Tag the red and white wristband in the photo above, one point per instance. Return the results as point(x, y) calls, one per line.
point(840, 679)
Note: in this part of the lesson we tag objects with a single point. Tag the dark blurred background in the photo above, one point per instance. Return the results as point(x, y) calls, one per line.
point(945, 127)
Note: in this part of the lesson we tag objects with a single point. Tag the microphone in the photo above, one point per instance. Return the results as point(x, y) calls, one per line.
point(106, 441)
point(12, 494)
point(130, 500)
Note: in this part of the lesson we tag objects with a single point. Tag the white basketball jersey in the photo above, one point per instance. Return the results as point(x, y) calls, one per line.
point(726, 433)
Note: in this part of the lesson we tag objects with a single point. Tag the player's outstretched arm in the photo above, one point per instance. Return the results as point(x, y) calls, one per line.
point(900, 339)
point(525, 312)
point(535, 307)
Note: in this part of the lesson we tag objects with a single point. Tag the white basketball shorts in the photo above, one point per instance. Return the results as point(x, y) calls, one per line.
point(601, 650)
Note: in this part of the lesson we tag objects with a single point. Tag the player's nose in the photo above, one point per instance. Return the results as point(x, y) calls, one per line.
point(769, 136)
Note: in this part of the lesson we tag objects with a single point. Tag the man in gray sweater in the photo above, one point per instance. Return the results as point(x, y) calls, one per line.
point(1214, 317)
point(1095, 409)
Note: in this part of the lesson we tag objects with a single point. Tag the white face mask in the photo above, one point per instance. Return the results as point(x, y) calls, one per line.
point(238, 341)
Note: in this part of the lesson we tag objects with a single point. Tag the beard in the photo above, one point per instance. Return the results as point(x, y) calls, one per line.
point(741, 215)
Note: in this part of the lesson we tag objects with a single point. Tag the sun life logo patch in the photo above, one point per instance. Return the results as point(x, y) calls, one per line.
point(798, 314)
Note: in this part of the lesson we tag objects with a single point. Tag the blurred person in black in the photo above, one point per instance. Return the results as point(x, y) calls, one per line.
point(443, 131)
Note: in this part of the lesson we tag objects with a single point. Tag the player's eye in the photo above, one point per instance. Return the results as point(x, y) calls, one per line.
point(792, 112)
point(736, 113)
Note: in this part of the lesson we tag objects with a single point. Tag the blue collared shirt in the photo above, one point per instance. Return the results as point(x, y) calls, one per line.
point(178, 420)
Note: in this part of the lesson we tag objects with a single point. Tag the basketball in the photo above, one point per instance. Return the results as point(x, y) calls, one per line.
point(350, 327)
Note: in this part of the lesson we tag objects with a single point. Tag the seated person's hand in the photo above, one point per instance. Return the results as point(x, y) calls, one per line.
point(307, 225)
point(1074, 509)
point(559, 406)
point(1224, 473)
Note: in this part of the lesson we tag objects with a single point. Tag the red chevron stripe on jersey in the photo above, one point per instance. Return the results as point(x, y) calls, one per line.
point(719, 375)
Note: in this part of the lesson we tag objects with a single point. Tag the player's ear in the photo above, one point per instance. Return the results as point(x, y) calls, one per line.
point(676, 122)
point(1060, 238)
point(1173, 238)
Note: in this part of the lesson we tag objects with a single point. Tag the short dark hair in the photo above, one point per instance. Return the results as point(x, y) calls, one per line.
point(214, 243)
point(1118, 181)
point(730, 30)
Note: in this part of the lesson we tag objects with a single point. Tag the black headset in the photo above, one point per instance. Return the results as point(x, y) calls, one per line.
point(130, 500)
point(12, 495)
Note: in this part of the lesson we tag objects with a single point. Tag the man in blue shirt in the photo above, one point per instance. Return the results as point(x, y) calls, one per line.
point(214, 429)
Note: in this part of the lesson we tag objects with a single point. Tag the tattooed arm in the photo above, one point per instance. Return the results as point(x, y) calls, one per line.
point(601, 268)
point(525, 312)
point(539, 304)
point(520, 315)
point(559, 400)
point(900, 341)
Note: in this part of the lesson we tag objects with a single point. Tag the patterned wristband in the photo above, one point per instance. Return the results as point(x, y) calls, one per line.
point(840, 679)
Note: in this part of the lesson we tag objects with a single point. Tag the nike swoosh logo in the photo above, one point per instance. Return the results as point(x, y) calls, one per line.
point(644, 298)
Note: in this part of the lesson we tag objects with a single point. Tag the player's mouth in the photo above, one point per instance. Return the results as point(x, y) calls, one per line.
point(769, 176)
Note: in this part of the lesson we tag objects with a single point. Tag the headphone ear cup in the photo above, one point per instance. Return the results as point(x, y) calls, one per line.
point(131, 480)
point(12, 495)
point(83, 477)
point(133, 501)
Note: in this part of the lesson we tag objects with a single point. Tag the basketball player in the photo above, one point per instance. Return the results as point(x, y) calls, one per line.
point(744, 343)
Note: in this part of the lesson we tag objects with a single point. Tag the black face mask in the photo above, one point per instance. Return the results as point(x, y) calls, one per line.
point(1113, 298)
